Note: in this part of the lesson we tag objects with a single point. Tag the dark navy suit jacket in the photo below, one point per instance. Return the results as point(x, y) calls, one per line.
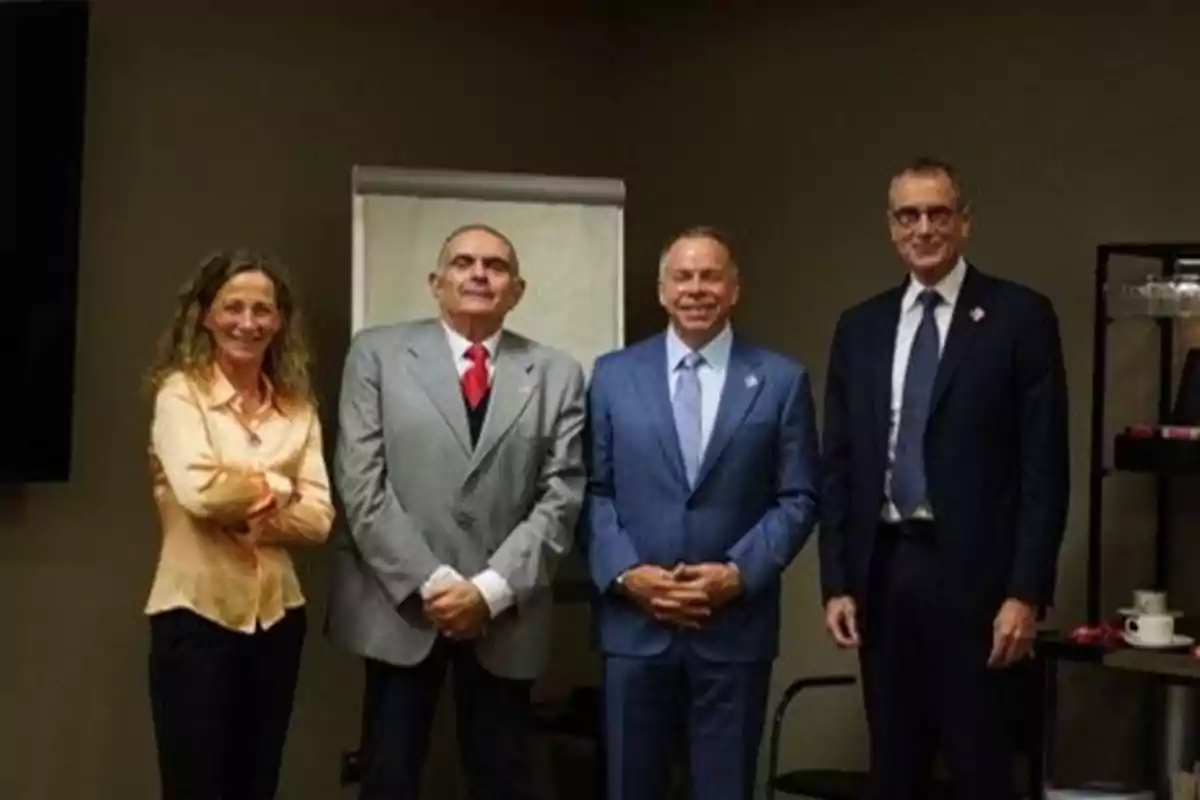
point(996, 451)
point(754, 503)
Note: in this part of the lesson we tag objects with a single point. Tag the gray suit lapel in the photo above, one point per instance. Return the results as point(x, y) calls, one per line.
point(512, 387)
point(438, 378)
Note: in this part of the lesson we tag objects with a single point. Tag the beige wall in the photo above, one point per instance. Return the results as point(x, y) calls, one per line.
point(206, 131)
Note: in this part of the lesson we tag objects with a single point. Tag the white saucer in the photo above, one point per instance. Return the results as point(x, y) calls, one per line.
point(1133, 612)
point(1180, 641)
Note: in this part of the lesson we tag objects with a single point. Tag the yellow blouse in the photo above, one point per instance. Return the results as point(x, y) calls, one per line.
point(211, 464)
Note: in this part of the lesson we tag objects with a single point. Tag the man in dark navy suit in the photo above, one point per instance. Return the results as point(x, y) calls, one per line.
point(945, 495)
point(702, 490)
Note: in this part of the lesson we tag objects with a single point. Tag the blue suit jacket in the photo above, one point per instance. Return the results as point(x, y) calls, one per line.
point(754, 503)
point(996, 454)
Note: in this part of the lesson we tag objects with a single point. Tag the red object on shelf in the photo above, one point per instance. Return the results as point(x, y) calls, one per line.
point(1108, 634)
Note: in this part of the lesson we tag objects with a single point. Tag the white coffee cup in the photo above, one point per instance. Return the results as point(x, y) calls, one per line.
point(1151, 629)
point(1146, 601)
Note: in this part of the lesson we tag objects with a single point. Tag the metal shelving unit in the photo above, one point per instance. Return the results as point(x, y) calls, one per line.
point(1173, 676)
point(1172, 259)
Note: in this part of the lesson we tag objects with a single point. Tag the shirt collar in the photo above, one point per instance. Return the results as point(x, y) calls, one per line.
point(715, 353)
point(460, 343)
point(221, 393)
point(948, 287)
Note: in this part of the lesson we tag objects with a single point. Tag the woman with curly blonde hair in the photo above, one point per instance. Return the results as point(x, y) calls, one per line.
point(238, 475)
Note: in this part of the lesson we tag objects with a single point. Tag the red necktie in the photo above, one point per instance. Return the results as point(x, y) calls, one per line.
point(475, 379)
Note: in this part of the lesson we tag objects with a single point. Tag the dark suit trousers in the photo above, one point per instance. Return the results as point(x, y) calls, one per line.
point(718, 707)
point(222, 701)
point(493, 724)
point(926, 682)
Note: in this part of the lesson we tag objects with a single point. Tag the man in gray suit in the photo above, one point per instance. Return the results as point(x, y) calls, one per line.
point(460, 466)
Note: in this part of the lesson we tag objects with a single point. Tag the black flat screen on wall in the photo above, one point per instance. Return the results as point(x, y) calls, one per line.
point(42, 91)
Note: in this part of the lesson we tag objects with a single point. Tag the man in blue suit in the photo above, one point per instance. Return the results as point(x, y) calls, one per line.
point(945, 495)
point(703, 488)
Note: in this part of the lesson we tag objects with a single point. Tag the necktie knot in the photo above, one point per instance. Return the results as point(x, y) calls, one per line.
point(477, 354)
point(691, 361)
point(929, 299)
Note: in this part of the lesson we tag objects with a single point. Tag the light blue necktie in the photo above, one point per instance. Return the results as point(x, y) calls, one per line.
point(908, 470)
point(686, 404)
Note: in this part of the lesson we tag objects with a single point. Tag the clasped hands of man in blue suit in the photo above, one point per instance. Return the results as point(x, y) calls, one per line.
point(683, 596)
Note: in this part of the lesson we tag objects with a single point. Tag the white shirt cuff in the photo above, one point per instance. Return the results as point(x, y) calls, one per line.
point(495, 590)
point(443, 574)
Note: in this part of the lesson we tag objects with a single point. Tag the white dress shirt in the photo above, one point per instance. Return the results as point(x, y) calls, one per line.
point(495, 590)
point(910, 319)
point(710, 372)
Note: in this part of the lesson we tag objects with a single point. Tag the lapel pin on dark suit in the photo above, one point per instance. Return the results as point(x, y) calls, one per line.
point(977, 314)
point(751, 381)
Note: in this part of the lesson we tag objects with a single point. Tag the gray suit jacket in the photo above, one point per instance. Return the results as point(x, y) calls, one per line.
point(417, 495)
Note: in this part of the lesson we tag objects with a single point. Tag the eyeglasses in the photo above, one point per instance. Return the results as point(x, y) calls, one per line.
point(910, 216)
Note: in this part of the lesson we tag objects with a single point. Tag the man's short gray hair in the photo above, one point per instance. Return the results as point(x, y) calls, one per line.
point(930, 165)
point(444, 252)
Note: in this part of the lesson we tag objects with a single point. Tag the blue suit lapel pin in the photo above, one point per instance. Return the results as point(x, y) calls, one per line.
point(977, 314)
point(751, 381)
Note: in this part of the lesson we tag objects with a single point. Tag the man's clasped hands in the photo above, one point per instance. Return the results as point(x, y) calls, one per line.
point(683, 596)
